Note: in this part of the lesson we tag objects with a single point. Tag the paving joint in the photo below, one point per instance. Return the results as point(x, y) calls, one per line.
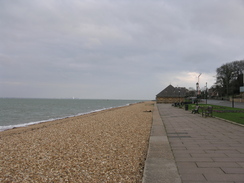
point(160, 164)
point(205, 149)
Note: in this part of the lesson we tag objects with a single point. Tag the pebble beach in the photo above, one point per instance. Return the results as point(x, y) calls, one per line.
point(105, 146)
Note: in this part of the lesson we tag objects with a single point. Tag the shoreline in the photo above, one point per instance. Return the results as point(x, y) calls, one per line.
point(105, 146)
point(33, 125)
point(9, 127)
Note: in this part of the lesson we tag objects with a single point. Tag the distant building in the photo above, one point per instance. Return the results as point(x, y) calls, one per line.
point(213, 92)
point(172, 95)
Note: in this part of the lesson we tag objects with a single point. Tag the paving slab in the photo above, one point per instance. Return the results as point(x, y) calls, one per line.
point(160, 164)
point(204, 149)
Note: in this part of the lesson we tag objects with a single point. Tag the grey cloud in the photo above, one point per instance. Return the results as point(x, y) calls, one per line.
point(119, 48)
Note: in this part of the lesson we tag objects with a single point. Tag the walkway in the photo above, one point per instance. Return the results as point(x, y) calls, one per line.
point(160, 165)
point(205, 149)
point(224, 103)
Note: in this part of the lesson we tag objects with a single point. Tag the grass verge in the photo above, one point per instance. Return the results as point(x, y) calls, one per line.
point(228, 113)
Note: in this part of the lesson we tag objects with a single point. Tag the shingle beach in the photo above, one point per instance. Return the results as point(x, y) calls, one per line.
point(105, 146)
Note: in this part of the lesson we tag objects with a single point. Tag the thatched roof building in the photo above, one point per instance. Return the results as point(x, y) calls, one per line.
point(172, 94)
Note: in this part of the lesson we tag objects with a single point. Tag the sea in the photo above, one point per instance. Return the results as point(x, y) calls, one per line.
point(20, 112)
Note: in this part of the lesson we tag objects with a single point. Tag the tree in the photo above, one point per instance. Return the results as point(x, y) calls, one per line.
point(229, 77)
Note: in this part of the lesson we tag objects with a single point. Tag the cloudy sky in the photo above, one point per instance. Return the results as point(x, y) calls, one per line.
point(115, 49)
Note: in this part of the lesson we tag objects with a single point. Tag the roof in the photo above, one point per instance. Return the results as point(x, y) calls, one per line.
point(171, 91)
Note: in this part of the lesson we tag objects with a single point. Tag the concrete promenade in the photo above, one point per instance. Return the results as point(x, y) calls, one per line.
point(160, 165)
point(204, 149)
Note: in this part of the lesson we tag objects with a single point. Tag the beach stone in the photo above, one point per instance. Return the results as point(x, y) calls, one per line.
point(105, 146)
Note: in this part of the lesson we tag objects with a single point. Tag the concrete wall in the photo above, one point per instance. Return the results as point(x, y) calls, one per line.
point(169, 99)
point(238, 99)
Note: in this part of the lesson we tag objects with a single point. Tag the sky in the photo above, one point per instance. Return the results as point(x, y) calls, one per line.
point(115, 49)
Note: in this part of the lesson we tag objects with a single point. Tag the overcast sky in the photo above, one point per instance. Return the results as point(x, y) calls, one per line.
point(115, 49)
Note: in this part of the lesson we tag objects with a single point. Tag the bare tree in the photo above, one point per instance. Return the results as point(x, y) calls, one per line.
point(228, 76)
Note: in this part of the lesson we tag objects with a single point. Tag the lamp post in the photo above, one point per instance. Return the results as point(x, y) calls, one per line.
point(233, 77)
point(206, 93)
point(179, 96)
point(197, 85)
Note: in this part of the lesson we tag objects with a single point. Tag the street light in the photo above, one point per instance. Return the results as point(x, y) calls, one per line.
point(233, 77)
point(206, 92)
point(179, 96)
point(197, 85)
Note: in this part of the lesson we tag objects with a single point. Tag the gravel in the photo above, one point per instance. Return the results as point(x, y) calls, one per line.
point(105, 146)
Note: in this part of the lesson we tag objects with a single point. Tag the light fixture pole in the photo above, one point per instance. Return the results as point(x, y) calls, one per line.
point(206, 93)
point(179, 96)
point(233, 77)
point(197, 85)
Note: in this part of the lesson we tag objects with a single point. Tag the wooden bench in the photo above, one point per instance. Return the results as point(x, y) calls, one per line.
point(196, 110)
point(207, 111)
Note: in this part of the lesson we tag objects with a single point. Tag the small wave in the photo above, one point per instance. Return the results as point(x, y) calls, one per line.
point(8, 127)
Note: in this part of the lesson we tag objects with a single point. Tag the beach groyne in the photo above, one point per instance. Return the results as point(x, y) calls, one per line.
point(105, 146)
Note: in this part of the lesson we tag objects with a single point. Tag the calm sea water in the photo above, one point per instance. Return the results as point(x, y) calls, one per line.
point(23, 112)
